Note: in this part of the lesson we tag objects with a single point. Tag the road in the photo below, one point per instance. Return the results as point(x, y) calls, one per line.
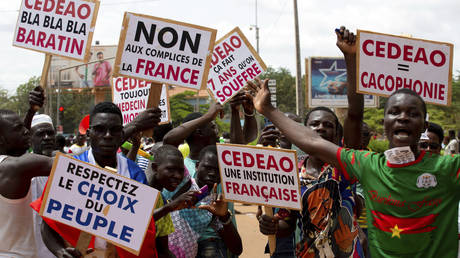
point(253, 241)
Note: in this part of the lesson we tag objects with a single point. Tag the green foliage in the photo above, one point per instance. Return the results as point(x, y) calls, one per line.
point(378, 145)
point(179, 107)
point(374, 118)
point(76, 106)
point(447, 117)
point(19, 102)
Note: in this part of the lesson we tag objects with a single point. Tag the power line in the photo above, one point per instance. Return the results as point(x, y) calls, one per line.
point(268, 32)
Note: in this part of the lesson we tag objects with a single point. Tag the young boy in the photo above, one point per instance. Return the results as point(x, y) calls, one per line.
point(221, 235)
point(168, 172)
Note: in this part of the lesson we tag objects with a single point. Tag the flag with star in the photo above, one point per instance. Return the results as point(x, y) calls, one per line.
point(401, 232)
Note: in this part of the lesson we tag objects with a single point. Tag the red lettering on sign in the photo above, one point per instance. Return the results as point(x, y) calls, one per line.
point(393, 51)
point(426, 89)
point(149, 68)
point(60, 7)
point(224, 159)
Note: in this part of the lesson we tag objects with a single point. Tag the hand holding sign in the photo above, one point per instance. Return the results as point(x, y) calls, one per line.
point(268, 225)
point(147, 119)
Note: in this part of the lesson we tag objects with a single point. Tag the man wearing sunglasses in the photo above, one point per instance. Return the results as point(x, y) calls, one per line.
point(431, 140)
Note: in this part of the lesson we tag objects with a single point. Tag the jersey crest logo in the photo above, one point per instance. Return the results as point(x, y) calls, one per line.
point(426, 180)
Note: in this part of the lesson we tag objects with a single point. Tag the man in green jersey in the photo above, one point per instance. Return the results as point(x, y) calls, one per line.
point(411, 195)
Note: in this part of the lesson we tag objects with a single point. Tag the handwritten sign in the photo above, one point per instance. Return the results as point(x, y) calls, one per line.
point(164, 51)
point(131, 96)
point(57, 27)
point(234, 62)
point(258, 175)
point(387, 63)
point(99, 202)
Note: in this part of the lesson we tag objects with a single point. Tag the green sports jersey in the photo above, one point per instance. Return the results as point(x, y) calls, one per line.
point(412, 209)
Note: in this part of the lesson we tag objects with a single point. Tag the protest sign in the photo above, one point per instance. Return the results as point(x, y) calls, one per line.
point(99, 202)
point(164, 51)
point(234, 62)
point(164, 105)
point(132, 95)
point(259, 175)
point(57, 27)
point(387, 63)
point(327, 83)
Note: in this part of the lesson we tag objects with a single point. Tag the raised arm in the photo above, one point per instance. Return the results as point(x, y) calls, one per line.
point(346, 42)
point(16, 173)
point(147, 119)
point(303, 137)
point(236, 132)
point(136, 144)
point(250, 129)
point(36, 101)
point(177, 135)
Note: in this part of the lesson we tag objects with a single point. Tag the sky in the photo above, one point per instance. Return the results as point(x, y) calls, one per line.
point(429, 19)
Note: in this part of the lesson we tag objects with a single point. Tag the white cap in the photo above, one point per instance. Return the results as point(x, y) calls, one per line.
point(424, 135)
point(41, 119)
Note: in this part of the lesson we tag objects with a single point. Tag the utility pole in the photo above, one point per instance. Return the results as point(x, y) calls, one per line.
point(298, 87)
point(256, 27)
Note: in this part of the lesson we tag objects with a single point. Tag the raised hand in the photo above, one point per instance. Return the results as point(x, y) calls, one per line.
point(242, 98)
point(185, 200)
point(260, 95)
point(36, 98)
point(214, 110)
point(270, 136)
point(346, 41)
point(343, 235)
point(218, 206)
point(147, 119)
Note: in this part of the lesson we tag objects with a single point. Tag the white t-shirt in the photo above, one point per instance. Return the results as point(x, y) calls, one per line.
point(16, 233)
point(77, 149)
point(452, 147)
point(36, 188)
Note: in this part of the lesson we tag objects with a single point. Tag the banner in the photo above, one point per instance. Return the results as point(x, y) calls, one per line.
point(164, 51)
point(259, 175)
point(327, 83)
point(99, 202)
point(57, 27)
point(234, 62)
point(132, 95)
point(387, 63)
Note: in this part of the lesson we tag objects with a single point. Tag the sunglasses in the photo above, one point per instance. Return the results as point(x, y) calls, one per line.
point(432, 145)
point(102, 130)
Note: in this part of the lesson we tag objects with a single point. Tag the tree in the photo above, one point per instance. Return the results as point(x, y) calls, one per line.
point(76, 104)
point(179, 106)
point(285, 88)
point(19, 102)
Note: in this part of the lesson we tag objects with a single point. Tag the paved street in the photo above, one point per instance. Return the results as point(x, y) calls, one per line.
point(253, 241)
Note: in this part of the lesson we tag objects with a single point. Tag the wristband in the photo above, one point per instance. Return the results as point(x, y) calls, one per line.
point(253, 113)
point(229, 220)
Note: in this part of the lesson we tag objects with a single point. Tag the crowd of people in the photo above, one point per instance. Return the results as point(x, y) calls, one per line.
point(356, 202)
